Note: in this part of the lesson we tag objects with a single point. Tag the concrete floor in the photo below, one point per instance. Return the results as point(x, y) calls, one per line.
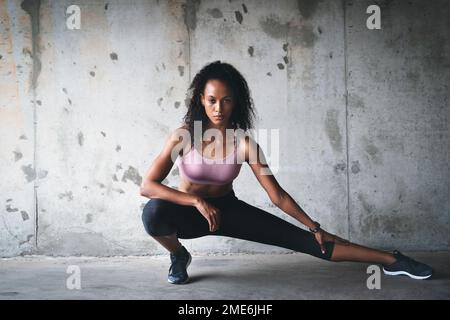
point(237, 276)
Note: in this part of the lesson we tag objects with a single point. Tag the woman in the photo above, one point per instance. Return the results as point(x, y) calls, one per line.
point(205, 202)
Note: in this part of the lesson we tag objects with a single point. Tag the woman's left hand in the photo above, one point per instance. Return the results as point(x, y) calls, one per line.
point(322, 236)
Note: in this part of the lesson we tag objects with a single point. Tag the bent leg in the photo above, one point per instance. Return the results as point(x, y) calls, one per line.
point(165, 218)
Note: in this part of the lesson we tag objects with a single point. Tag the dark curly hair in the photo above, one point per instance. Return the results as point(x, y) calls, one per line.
point(243, 111)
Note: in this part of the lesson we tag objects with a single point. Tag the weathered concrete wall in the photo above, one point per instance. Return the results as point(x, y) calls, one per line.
point(83, 113)
point(399, 125)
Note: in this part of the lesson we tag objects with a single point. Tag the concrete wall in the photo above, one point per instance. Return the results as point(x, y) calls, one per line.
point(363, 116)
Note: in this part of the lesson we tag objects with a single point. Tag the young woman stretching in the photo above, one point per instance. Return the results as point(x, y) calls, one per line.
point(205, 202)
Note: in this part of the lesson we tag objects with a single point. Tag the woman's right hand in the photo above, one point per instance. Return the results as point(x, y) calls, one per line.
point(211, 214)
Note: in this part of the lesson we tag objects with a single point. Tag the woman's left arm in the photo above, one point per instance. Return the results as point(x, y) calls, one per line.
point(255, 158)
point(279, 196)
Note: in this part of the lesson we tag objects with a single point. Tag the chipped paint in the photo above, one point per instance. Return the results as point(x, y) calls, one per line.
point(113, 56)
point(132, 174)
point(238, 16)
point(30, 172)
point(17, 155)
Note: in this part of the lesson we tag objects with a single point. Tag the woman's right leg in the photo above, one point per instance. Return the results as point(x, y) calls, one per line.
point(170, 242)
point(166, 221)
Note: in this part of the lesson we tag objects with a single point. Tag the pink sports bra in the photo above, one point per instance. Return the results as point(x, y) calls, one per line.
point(198, 169)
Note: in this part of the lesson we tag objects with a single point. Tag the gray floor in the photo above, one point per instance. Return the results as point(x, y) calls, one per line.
point(279, 276)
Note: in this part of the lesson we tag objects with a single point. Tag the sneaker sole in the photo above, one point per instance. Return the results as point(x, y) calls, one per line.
point(187, 279)
point(396, 273)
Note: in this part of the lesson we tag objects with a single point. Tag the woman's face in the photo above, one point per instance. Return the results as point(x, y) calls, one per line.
point(218, 101)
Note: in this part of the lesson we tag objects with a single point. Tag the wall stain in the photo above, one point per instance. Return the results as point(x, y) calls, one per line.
point(355, 167)
point(32, 7)
point(190, 9)
point(332, 130)
point(30, 173)
point(307, 8)
point(181, 70)
point(92, 73)
point(238, 15)
point(42, 174)
point(244, 7)
point(215, 13)
point(132, 174)
point(25, 215)
point(339, 167)
point(67, 194)
point(103, 133)
point(177, 104)
point(369, 208)
point(356, 101)
point(80, 138)
point(299, 35)
point(250, 51)
point(169, 91)
point(392, 224)
point(17, 155)
point(88, 218)
point(113, 56)
point(372, 150)
point(10, 209)
point(118, 148)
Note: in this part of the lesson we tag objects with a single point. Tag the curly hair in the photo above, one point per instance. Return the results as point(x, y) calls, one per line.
point(243, 111)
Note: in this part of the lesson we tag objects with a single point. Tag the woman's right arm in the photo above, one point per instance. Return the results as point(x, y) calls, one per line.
point(151, 186)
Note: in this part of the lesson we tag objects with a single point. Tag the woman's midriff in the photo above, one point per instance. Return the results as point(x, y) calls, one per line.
point(203, 190)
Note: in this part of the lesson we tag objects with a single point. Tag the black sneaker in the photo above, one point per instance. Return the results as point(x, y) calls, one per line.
point(178, 269)
point(408, 266)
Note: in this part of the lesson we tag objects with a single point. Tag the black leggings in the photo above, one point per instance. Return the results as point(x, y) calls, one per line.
point(238, 219)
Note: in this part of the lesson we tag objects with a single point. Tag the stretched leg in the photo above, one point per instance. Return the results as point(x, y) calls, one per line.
point(251, 223)
point(244, 221)
point(358, 253)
